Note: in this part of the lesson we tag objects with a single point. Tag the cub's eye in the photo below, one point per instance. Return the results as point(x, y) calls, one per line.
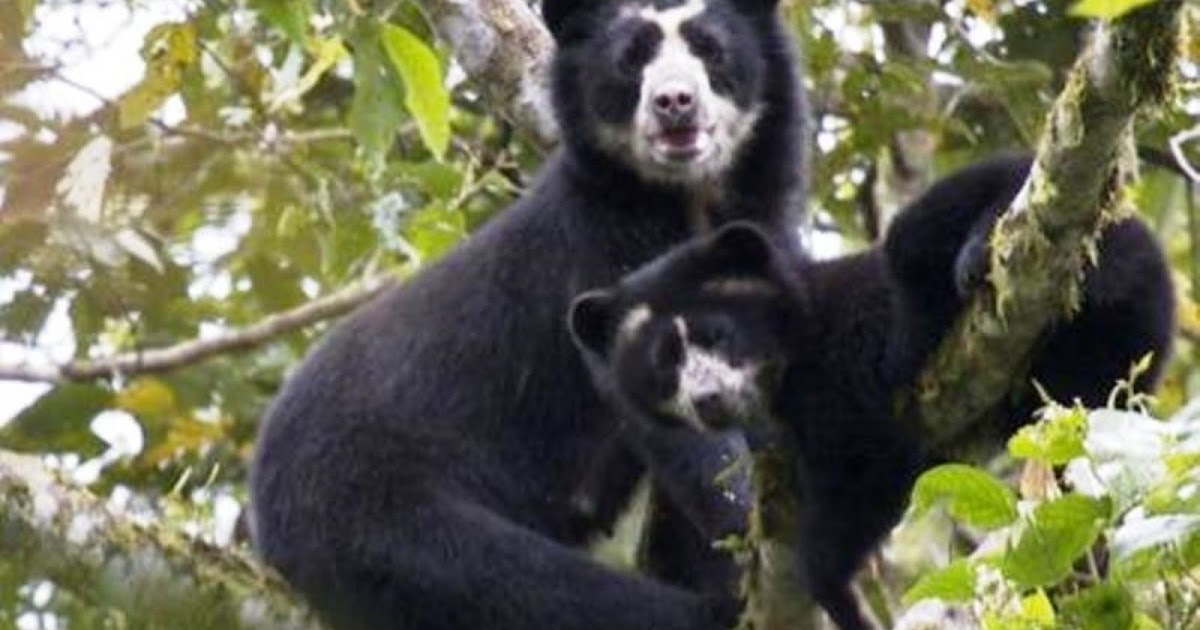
point(668, 351)
point(713, 333)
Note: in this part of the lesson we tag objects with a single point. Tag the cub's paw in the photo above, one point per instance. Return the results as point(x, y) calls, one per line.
point(723, 609)
point(972, 263)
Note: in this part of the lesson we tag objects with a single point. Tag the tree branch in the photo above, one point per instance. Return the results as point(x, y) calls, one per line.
point(148, 577)
point(1040, 247)
point(194, 351)
point(504, 47)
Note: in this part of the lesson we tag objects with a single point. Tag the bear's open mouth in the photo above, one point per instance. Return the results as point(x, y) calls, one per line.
point(683, 144)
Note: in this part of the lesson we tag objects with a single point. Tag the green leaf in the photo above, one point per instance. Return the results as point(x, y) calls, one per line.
point(425, 94)
point(974, 497)
point(25, 314)
point(438, 179)
point(289, 16)
point(1036, 608)
point(169, 49)
point(1055, 440)
point(59, 422)
point(953, 583)
point(376, 111)
point(1059, 533)
point(434, 230)
point(1106, 9)
point(1106, 606)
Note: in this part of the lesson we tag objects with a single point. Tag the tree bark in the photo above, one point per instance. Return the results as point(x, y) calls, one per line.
point(141, 576)
point(505, 48)
point(1041, 246)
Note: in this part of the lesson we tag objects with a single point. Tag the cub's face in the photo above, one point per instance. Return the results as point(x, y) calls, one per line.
point(696, 337)
point(672, 89)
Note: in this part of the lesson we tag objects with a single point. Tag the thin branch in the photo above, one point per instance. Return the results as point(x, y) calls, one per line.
point(194, 351)
point(1040, 246)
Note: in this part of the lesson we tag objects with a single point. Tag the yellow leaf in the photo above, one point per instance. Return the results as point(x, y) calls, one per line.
point(327, 53)
point(169, 50)
point(985, 9)
point(1191, 35)
point(186, 435)
point(1106, 9)
point(147, 397)
point(1038, 609)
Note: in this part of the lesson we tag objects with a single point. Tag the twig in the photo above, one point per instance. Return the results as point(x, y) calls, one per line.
point(194, 351)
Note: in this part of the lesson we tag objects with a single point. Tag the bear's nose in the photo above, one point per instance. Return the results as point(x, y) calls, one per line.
point(675, 104)
point(711, 411)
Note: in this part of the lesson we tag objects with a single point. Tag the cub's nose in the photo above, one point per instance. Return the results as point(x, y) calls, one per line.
point(674, 104)
point(712, 411)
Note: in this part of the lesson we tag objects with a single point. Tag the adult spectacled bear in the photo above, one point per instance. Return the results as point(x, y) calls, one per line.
point(417, 470)
point(726, 332)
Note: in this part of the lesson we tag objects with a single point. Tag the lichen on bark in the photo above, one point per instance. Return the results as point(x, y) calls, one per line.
point(1042, 245)
point(131, 575)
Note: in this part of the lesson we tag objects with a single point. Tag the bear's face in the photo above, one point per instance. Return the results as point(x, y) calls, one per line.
point(671, 89)
point(697, 336)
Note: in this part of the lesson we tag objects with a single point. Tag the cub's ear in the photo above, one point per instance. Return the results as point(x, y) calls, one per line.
point(741, 247)
point(560, 14)
point(590, 321)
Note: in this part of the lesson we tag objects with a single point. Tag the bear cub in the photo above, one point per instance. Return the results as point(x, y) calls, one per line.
point(728, 331)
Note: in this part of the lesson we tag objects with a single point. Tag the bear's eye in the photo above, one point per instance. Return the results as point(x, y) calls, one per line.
point(715, 333)
point(706, 46)
point(668, 351)
point(638, 49)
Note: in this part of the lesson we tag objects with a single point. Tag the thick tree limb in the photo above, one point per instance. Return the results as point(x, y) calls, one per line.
point(771, 575)
point(133, 576)
point(504, 47)
point(191, 352)
point(1041, 246)
point(1040, 249)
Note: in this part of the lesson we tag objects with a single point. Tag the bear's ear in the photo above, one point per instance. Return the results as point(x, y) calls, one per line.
point(559, 14)
point(742, 248)
point(590, 321)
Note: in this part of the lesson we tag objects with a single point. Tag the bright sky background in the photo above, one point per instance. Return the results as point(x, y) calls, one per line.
point(98, 49)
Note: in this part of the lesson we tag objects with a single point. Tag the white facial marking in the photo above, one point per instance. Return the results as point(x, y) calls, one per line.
point(706, 374)
point(710, 144)
point(633, 322)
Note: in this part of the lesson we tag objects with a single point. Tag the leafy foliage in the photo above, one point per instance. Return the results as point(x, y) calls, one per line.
point(1111, 545)
point(272, 152)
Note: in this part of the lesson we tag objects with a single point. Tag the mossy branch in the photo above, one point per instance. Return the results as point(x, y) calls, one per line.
point(770, 548)
point(127, 575)
point(505, 48)
point(1041, 247)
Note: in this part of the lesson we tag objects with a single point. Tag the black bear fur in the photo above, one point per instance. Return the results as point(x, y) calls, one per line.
point(417, 470)
point(832, 341)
